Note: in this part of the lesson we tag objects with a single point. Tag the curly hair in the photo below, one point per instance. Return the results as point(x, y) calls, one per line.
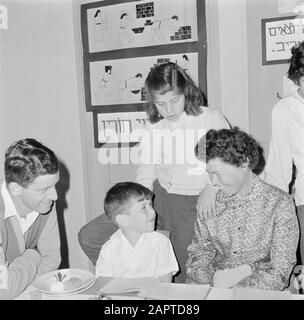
point(120, 194)
point(27, 159)
point(232, 146)
point(168, 77)
point(296, 67)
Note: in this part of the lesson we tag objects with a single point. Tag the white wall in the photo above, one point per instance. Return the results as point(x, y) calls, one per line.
point(264, 80)
point(39, 97)
point(100, 177)
point(227, 59)
point(238, 83)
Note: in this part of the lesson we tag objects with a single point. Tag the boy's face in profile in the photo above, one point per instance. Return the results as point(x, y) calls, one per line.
point(141, 215)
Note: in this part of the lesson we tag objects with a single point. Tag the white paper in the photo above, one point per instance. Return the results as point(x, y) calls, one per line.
point(176, 291)
point(257, 294)
point(124, 285)
point(220, 294)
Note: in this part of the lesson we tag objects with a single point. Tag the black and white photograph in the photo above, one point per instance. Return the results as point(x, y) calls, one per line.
point(152, 152)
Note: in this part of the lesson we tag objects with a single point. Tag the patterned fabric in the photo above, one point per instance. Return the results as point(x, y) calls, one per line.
point(259, 229)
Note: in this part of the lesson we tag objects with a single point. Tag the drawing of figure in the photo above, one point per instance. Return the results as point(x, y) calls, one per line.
point(100, 27)
point(160, 28)
point(131, 87)
point(104, 86)
point(186, 63)
point(126, 34)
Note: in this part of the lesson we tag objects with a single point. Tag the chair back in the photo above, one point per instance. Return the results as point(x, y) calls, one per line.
point(166, 233)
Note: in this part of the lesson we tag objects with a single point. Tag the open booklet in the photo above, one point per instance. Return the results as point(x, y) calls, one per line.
point(248, 294)
point(177, 291)
point(257, 294)
point(152, 288)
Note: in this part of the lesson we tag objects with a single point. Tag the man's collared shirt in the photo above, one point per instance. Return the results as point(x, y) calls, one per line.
point(10, 211)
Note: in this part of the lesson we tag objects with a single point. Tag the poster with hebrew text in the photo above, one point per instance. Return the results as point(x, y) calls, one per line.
point(279, 35)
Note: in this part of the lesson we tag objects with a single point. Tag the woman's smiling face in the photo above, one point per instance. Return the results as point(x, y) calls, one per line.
point(227, 177)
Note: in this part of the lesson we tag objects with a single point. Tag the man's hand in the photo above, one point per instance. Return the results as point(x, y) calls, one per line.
point(206, 202)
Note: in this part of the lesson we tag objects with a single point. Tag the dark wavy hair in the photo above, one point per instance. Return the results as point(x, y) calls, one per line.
point(120, 194)
point(167, 77)
point(296, 67)
point(27, 159)
point(232, 146)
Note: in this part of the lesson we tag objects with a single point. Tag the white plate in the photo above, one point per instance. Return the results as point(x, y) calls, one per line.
point(44, 282)
point(68, 292)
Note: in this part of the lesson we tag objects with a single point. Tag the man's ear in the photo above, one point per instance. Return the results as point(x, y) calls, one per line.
point(14, 188)
point(122, 220)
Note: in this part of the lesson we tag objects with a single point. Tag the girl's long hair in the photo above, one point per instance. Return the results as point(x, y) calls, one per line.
point(171, 77)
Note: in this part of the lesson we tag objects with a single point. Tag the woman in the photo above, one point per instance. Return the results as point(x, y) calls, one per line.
point(255, 223)
point(175, 109)
point(287, 139)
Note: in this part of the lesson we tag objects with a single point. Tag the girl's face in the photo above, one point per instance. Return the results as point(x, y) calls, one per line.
point(170, 105)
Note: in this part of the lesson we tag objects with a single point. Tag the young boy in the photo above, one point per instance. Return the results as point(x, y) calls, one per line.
point(135, 250)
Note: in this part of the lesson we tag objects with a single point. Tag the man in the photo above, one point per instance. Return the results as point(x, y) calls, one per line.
point(29, 235)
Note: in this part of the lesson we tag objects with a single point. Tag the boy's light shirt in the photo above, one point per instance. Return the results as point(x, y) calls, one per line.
point(152, 256)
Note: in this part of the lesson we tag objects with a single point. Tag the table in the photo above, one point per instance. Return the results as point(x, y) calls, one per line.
point(89, 294)
point(228, 294)
point(92, 293)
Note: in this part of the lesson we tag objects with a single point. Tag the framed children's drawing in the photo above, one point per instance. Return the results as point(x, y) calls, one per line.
point(122, 40)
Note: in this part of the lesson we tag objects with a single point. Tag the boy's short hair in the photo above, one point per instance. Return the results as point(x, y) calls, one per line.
point(27, 159)
point(120, 194)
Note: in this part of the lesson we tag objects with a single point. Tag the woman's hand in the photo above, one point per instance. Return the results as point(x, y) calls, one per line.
point(206, 201)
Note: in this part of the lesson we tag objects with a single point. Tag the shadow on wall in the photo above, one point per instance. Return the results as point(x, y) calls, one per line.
point(61, 204)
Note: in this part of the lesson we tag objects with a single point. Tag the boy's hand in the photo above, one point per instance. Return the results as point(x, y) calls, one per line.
point(206, 202)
